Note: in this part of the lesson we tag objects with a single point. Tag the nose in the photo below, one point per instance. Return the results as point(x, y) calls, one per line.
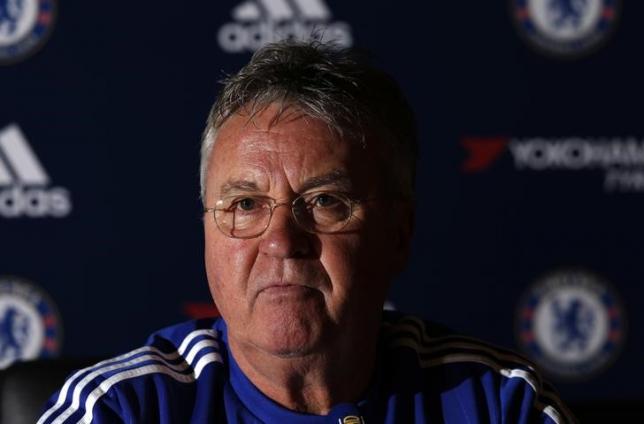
point(284, 238)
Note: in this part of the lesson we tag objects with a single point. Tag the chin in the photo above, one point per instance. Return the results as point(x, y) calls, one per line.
point(290, 335)
point(288, 352)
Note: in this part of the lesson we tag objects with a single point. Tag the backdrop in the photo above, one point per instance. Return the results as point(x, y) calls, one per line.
point(530, 180)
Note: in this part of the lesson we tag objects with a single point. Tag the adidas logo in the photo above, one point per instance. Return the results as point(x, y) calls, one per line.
point(258, 22)
point(24, 182)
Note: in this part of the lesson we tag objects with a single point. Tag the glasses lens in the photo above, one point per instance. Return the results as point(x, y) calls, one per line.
point(242, 217)
point(322, 211)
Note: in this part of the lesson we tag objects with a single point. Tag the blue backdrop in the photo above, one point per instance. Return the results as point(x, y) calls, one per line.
point(532, 152)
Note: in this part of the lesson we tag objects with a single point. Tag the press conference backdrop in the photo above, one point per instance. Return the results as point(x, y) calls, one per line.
point(530, 181)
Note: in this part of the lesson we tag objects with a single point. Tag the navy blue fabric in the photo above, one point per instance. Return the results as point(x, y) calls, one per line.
point(185, 373)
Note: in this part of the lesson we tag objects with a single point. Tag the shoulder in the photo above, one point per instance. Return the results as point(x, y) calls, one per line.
point(130, 385)
point(477, 375)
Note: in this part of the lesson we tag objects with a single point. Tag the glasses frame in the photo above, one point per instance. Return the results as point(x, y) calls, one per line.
point(275, 204)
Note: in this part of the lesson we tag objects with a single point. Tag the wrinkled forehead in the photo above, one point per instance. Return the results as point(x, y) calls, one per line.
point(286, 110)
point(275, 129)
point(291, 142)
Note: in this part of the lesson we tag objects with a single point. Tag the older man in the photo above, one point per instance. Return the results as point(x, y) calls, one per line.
point(307, 181)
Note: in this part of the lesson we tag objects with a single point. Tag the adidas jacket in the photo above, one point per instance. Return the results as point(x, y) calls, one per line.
point(185, 374)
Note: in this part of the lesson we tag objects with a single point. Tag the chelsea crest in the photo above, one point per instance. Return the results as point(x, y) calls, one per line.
point(24, 27)
point(565, 28)
point(29, 322)
point(571, 323)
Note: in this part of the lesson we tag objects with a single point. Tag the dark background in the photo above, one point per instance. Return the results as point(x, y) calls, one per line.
point(114, 104)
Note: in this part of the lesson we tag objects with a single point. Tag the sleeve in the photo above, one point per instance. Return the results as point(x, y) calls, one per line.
point(525, 399)
point(73, 405)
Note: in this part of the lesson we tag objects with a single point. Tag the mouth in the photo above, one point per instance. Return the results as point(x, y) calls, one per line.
point(289, 282)
point(286, 289)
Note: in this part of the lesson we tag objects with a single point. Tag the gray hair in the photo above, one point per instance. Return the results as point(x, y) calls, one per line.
point(334, 85)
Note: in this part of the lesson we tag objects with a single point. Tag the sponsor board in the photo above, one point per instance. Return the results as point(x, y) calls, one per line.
point(565, 28)
point(257, 22)
point(620, 159)
point(25, 189)
point(571, 323)
point(25, 26)
point(30, 326)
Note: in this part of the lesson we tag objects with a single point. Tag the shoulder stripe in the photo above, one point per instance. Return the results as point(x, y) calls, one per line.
point(63, 392)
point(206, 360)
point(125, 360)
point(197, 348)
point(410, 332)
point(459, 346)
point(105, 386)
point(193, 335)
point(467, 345)
point(181, 366)
point(434, 344)
point(506, 372)
point(550, 394)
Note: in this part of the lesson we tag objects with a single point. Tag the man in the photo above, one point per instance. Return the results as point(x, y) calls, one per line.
point(307, 181)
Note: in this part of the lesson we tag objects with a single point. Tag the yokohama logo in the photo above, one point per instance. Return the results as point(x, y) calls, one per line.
point(621, 159)
point(258, 22)
point(24, 181)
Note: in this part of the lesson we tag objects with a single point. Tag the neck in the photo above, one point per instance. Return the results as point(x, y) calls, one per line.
point(312, 382)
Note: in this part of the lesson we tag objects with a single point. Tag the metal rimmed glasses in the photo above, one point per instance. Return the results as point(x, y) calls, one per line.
point(248, 216)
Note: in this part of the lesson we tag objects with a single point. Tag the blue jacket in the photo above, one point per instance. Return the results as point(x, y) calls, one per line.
point(186, 374)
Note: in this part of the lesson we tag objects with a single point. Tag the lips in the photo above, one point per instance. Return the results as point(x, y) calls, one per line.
point(283, 288)
point(289, 278)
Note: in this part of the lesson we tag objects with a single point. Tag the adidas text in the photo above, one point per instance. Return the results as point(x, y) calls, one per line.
point(35, 202)
point(237, 37)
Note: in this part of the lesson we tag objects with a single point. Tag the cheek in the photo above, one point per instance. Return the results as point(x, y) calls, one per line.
point(227, 268)
point(342, 263)
point(358, 266)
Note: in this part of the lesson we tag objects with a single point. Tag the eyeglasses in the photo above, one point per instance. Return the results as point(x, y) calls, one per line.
point(246, 217)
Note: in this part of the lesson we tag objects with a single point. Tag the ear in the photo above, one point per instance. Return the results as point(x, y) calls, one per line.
point(404, 229)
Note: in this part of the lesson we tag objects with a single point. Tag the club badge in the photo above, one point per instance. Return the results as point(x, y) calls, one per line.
point(25, 25)
point(565, 28)
point(571, 322)
point(29, 322)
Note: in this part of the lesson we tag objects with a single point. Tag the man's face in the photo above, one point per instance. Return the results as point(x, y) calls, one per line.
point(289, 292)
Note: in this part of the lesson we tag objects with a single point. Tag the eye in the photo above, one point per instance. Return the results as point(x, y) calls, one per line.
point(325, 200)
point(245, 204)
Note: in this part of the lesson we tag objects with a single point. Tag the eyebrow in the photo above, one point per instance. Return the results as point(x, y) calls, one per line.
point(238, 185)
point(337, 178)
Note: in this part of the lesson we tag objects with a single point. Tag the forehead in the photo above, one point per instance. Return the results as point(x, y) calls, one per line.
point(274, 131)
point(285, 152)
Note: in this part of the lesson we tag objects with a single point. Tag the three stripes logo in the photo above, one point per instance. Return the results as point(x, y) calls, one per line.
point(258, 22)
point(24, 182)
